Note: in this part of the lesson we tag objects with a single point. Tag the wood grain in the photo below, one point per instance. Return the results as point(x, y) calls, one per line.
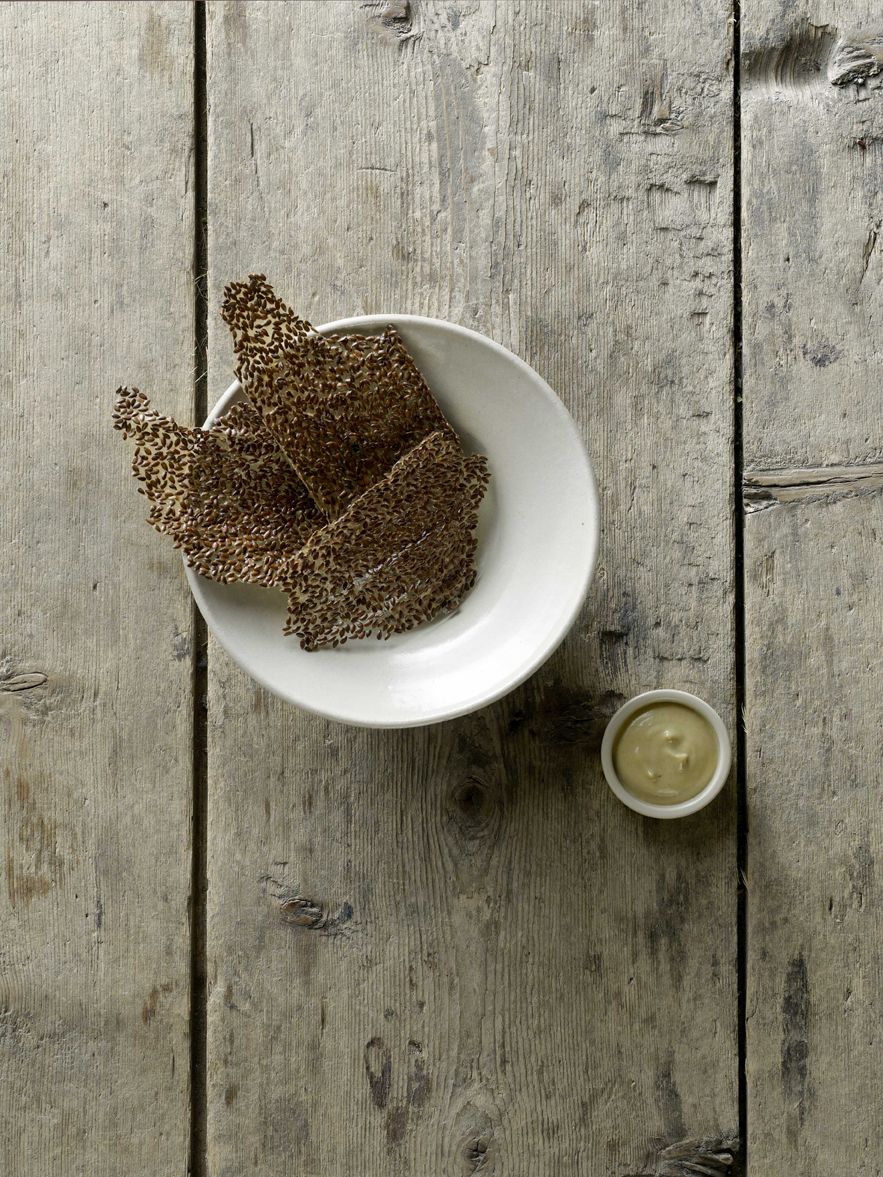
point(451, 950)
point(812, 151)
point(95, 709)
point(812, 172)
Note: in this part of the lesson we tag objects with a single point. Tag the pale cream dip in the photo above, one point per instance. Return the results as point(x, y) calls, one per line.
point(666, 753)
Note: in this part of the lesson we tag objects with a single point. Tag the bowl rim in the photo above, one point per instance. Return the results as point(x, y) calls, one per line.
point(681, 808)
point(375, 323)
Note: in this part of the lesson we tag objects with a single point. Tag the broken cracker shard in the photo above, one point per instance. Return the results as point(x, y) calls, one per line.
point(340, 481)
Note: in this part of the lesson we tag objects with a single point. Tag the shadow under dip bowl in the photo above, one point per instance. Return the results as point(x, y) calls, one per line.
point(679, 808)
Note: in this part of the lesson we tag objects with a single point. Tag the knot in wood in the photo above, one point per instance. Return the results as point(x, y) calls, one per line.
point(856, 58)
point(302, 912)
point(472, 803)
point(394, 16)
point(22, 682)
point(476, 1154)
point(713, 1156)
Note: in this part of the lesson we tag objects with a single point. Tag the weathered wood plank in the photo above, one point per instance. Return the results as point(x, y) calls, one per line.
point(451, 950)
point(812, 215)
point(95, 712)
point(813, 167)
point(814, 751)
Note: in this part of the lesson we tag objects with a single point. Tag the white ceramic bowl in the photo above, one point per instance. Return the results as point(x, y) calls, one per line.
point(537, 542)
point(682, 808)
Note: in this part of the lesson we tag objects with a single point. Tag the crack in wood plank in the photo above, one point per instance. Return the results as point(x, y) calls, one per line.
point(765, 488)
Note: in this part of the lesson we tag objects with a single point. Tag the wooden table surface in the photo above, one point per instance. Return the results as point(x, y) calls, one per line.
point(241, 939)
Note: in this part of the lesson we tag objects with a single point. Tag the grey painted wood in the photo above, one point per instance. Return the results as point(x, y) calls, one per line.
point(812, 155)
point(451, 950)
point(95, 709)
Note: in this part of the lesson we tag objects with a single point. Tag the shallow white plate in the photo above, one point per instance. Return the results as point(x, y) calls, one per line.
point(537, 543)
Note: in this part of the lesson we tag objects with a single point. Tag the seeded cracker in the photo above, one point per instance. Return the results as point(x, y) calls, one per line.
point(342, 410)
point(401, 553)
point(340, 483)
point(227, 496)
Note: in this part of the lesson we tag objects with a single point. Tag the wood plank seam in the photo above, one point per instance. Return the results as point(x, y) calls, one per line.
point(739, 603)
point(199, 828)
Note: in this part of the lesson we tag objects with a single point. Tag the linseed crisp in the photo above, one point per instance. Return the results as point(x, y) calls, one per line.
point(340, 482)
point(398, 556)
point(343, 409)
point(226, 496)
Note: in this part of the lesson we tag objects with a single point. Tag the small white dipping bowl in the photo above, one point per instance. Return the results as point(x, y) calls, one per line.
point(537, 543)
point(682, 808)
